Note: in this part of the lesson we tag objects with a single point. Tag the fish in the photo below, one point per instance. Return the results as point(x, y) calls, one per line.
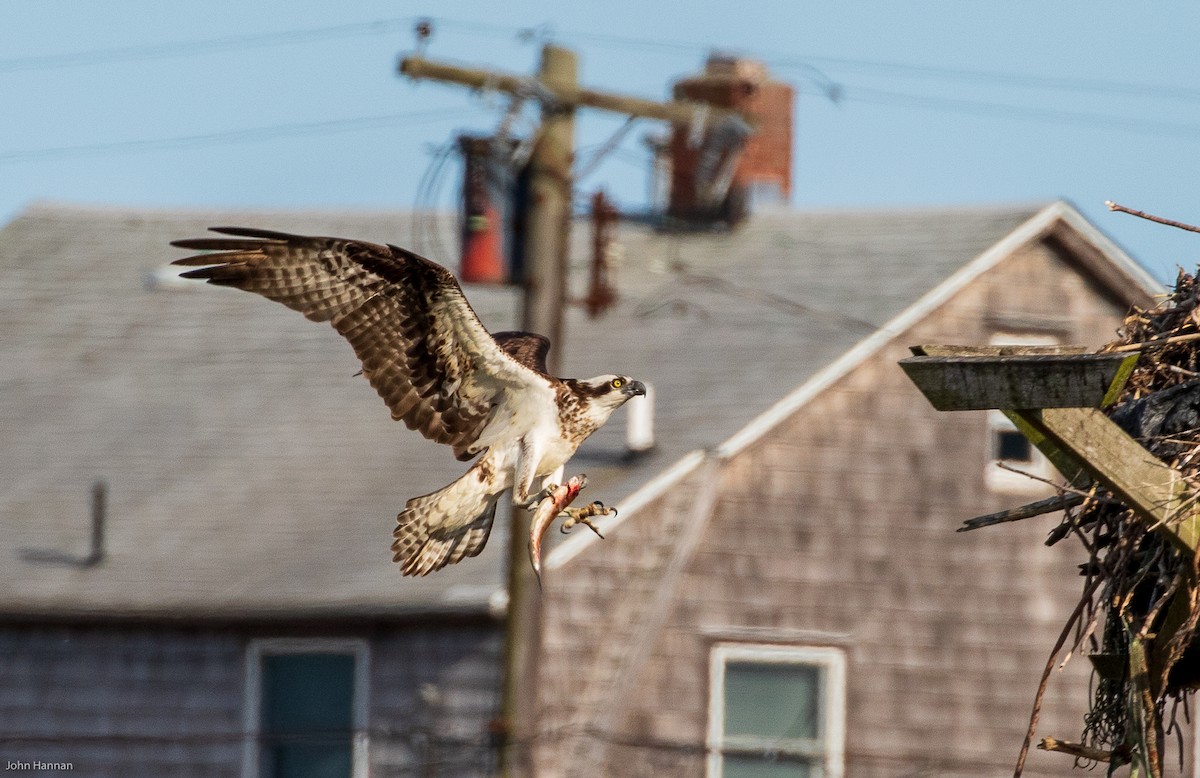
point(547, 511)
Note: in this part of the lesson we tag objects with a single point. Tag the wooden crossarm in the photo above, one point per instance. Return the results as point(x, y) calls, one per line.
point(1158, 493)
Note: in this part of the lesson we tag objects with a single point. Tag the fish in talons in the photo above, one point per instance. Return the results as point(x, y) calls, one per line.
point(552, 503)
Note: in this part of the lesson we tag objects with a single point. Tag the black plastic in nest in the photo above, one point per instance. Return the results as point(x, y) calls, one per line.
point(1155, 419)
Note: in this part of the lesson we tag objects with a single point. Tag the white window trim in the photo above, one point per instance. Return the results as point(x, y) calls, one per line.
point(832, 662)
point(252, 706)
point(997, 478)
point(1001, 480)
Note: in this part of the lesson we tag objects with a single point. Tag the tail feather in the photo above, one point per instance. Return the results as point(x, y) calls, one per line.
point(432, 533)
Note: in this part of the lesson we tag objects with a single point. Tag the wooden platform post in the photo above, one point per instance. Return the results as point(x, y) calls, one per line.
point(1055, 400)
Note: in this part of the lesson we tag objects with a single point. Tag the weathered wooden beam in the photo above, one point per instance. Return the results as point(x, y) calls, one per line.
point(1017, 381)
point(682, 112)
point(998, 350)
point(1157, 492)
point(1054, 399)
point(1067, 464)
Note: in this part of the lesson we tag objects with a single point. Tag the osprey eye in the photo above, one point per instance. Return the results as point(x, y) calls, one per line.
point(617, 383)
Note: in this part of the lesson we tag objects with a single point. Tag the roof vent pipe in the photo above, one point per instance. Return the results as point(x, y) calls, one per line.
point(99, 509)
point(639, 429)
point(95, 555)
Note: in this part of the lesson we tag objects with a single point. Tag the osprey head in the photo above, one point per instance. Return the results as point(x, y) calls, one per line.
point(611, 390)
point(602, 395)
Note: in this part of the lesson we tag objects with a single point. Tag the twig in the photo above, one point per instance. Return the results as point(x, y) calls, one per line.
point(1147, 711)
point(1150, 217)
point(1062, 488)
point(1157, 343)
point(1027, 511)
point(1181, 371)
point(1067, 527)
point(1078, 750)
point(1152, 614)
point(1041, 692)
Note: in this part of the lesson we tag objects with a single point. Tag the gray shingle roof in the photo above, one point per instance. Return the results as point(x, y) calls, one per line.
point(250, 474)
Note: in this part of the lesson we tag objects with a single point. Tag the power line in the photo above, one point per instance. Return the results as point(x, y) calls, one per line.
point(1021, 80)
point(247, 135)
point(202, 46)
point(1013, 111)
point(426, 221)
point(432, 749)
point(808, 62)
point(545, 32)
point(857, 94)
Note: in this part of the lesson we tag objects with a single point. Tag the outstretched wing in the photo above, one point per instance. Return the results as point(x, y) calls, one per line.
point(421, 345)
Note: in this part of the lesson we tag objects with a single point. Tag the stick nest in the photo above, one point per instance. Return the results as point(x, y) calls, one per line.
point(1138, 620)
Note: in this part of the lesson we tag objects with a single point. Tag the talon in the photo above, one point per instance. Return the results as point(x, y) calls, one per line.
point(571, 521)
point(597, 508)
point(583, 516)
point(592, 527)
point(571, 516)
point(535, 499)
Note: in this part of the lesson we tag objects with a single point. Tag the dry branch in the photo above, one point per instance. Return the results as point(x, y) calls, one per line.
point(1045, 682)
point(1080, 751)
point(1150, 217)
point(1159, 343)
point(1027, 511)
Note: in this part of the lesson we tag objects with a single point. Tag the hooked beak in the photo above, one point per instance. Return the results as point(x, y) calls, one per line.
point(635, 389)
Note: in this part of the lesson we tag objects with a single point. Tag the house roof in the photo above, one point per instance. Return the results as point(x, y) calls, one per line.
point(250, 475)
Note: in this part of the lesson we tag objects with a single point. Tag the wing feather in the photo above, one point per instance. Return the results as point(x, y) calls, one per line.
point(528, 348)
point(421, 344)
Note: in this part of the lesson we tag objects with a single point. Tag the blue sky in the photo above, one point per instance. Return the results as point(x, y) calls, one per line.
point(276, 104)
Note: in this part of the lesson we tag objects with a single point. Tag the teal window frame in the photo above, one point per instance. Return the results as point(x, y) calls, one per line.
point(252, 714)
point(825, 751)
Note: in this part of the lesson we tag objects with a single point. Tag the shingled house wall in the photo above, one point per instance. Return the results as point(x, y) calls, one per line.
point(114, 701)
point(836, 528)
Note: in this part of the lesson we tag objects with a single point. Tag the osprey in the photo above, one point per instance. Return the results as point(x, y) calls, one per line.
point(440, 371)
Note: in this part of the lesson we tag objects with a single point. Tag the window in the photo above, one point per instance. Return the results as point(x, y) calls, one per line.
point(1009, 447)
point(1012, 446)
point(776, 712)
point(1006, 445)
point(305, 713)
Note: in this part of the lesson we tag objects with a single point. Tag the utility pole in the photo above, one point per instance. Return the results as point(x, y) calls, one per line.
point(548, 235)
point(549, 221)
point(548, 230)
